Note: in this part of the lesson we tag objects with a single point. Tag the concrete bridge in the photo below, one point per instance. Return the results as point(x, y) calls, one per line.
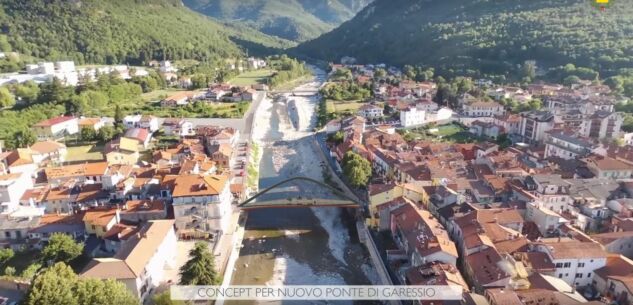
point(301, 201)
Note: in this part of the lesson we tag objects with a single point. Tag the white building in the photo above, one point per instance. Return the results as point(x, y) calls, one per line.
point(56, 128)
point(567, 145)
point(12, 187)
point(141, 262)
point(370, 111)
point(545, 219)
point(65, 66)
point(412, 117)
point(178, 127)
point(442, 114)
point(551, 191)
point(575, 261)
point(483, 109)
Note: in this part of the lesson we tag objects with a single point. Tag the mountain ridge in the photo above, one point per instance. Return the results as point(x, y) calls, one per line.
point(295, 20)
point(490, 35)
point(121, 31)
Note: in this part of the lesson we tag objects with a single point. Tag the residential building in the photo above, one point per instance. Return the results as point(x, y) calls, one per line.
point(56, 128)
point(48, 151)
point(50, 224)
point(12, 187)
point(483, 109)
point(615, 278)
point(141, 135)
point(178, 127)
point(603, 125)
point(221, 154)
point(99, 221)
point(144, 210)
point(606, 167)
point(551, 191)
point(411, 116)
point(91, 123)
point(534, 124)
point(575, 261)
point(567, 145)
point(486, 129)
point(14, 230)
point(79, 173)
point(123, 151)
point(141, 262)
point(370, 111)
point(421, 236)
point(180, 99)
point(200, 202)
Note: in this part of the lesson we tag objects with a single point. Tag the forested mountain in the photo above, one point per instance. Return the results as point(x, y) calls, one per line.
point(491, 36)
point(296, 20)
point(119, 31)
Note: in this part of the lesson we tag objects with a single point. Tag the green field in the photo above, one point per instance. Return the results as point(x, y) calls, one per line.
point(158, 95)
point(252, 77)
point(342, 106)
point(453, 133)
point(84, 153)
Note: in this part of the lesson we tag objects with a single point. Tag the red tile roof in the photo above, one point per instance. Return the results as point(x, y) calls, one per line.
point(54, 121)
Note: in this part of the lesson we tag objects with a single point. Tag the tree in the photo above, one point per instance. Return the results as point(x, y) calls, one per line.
point(106, 133)
point(30, 271)
point(99, 292)
point(6, 98)
point(9, 271)
point(571, 80)
point(24, 138)
point(27, 91)
point(357, 169)
point(58, 284)
point(503, 141)
point(53, 286)
point(118, 115)
point(5, 255)
point(528, 70)
point(337, 137)
point(380, 73)
point(88, 134)
point(200, 269)
point(61, 248)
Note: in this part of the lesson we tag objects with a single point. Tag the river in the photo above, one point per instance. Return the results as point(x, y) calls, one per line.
point(297, 246)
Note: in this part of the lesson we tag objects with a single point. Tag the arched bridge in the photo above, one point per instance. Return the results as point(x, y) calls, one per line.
point(301, 200)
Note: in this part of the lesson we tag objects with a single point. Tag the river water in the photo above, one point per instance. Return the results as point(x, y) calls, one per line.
point(297, 246)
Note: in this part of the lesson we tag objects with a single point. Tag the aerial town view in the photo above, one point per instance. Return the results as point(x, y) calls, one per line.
point(397, 152)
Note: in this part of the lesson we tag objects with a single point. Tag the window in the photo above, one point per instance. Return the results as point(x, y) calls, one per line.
point(580, 265)
point(588, 275)
point(567, 265)
point(578, 275)
point(560, 275)
point(7, 234)
point(559, 265)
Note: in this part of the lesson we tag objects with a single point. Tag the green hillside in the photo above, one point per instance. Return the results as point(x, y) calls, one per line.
point(492, 36)
point(120, 31)
point(295, 20)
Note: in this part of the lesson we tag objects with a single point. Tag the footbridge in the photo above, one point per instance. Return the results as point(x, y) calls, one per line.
point(313, 193)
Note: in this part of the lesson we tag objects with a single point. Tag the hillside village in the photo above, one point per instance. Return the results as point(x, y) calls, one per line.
point(524, 207)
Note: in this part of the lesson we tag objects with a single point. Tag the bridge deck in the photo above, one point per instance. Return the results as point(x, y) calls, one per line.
point(299, 203)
